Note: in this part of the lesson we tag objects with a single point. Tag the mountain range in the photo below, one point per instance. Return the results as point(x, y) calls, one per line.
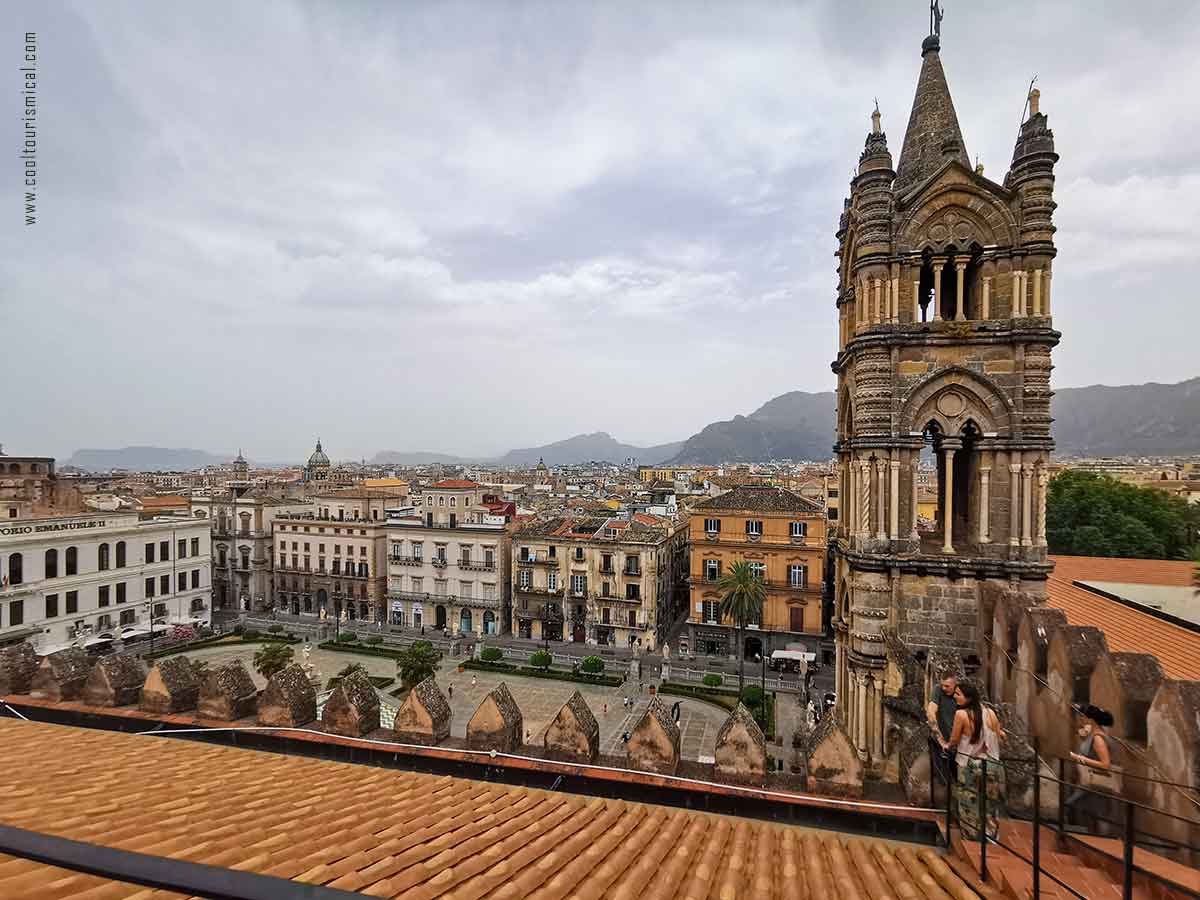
point(1129, 420)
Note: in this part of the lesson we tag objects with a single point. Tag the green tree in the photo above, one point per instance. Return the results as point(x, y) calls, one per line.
point(351, 669)
point(742, 596)
point(1095, 515)
point(540, 659)
point(272, 657)
point(416, 663)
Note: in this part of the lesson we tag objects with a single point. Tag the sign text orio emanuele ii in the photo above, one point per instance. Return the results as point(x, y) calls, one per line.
point(51, 526)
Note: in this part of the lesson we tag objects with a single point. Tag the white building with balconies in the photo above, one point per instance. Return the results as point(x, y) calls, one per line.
point(87, 579)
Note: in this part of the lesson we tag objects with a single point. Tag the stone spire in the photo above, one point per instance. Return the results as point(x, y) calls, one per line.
point(933, 135)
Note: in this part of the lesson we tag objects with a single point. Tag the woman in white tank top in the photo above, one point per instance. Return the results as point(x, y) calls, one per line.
point(976, 737)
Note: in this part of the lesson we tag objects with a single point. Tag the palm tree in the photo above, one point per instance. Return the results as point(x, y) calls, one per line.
point(417, 663)
point(743, 594)
point(272, 657)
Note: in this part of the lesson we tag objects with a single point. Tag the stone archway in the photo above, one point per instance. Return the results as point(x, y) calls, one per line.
point(465, 621)
point(439, 617)
point(489, 622)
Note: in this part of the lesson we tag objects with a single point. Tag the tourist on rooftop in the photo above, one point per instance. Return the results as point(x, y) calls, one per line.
point(1096, 773)
point(940, 715)
point(976, 737)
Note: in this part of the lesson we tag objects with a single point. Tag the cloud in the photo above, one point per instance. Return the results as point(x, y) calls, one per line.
point(474, 226)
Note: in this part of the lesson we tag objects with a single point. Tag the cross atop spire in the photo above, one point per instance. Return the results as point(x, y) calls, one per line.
point(935, 18)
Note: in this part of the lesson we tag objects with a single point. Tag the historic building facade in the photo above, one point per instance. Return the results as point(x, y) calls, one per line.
point(448, 562)
point(241, 523)
point(597, 579)
point(782, 535)
point(944, 353)
point(82, 579)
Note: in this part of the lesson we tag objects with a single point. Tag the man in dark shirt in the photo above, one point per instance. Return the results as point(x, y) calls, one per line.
point(940, 714)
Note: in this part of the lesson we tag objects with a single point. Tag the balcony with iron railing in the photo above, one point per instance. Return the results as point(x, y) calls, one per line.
point(538, 561)
point(539, 591)
point(446, 599)
point(407, 560)
point(476, 565)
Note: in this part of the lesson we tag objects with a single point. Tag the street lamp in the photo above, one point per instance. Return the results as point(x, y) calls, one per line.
point(762, 703)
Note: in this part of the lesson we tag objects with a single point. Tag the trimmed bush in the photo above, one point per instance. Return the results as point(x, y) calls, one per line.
point(491, 654)
point(592, 665)
point(275, 629)
point(752, 695)
point(386, 652)
point(713, 680)
point(540, 660)
point(347, 637)
point(373, 639)
point(529, 672)
point(250, 634)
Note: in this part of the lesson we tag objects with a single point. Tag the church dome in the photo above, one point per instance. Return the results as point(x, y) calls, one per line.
point(318, 457)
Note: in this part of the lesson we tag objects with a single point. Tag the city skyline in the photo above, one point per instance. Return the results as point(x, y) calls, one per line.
point(422, 248)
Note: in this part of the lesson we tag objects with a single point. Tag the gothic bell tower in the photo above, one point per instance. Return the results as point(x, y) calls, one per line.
point(943, 405)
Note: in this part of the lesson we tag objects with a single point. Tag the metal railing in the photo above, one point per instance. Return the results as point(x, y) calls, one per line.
point(1126, 822)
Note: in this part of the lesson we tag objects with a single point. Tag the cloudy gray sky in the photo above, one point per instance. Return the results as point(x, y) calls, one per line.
point(471, 226)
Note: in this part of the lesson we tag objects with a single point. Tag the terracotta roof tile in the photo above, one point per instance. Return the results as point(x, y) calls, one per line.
point(1163, 572)
point(400, 833)
point(1128, 630)
point(455, 483)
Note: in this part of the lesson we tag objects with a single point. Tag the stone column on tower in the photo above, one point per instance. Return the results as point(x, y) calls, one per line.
point(985, 506)
point(880, 528)
point(894, 500)
point(960, 269)
point(1026, 505)
point(1014, 501)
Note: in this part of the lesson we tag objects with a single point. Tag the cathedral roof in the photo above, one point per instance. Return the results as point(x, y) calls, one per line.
point(933, 135)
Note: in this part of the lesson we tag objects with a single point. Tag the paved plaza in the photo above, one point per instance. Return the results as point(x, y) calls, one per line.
point(539, 698)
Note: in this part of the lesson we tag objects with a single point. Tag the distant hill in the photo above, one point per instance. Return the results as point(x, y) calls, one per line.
point(145, 459)
point(415, 458)
point(1130, 420)
point(796, 425)
point(598, 446)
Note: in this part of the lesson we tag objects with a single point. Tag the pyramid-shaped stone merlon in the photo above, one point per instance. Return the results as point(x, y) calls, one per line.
point(18, 664)
point(61, 675)
point(833, 763)
point(289, 701)
point(171, 687)
point(424, 716)
point(573, 735)
point(654, 742)
point(115, 680)
point(741, 752)
point(497, 724)
point(353, 707)
point(227, 693)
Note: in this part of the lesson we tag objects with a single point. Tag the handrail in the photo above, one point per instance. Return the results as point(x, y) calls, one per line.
point(1129, 830)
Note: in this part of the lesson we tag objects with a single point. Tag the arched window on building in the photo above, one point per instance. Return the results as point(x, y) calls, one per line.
point(16, 573)
point(102, 557)
point(72, 561)
point(51, 563)
point(120, 554)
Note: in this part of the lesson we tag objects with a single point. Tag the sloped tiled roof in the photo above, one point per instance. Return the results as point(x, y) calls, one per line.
point(1128, 630)
point(1162, 572)
point(455, 484)
point(760, 498)
point(403, 833)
